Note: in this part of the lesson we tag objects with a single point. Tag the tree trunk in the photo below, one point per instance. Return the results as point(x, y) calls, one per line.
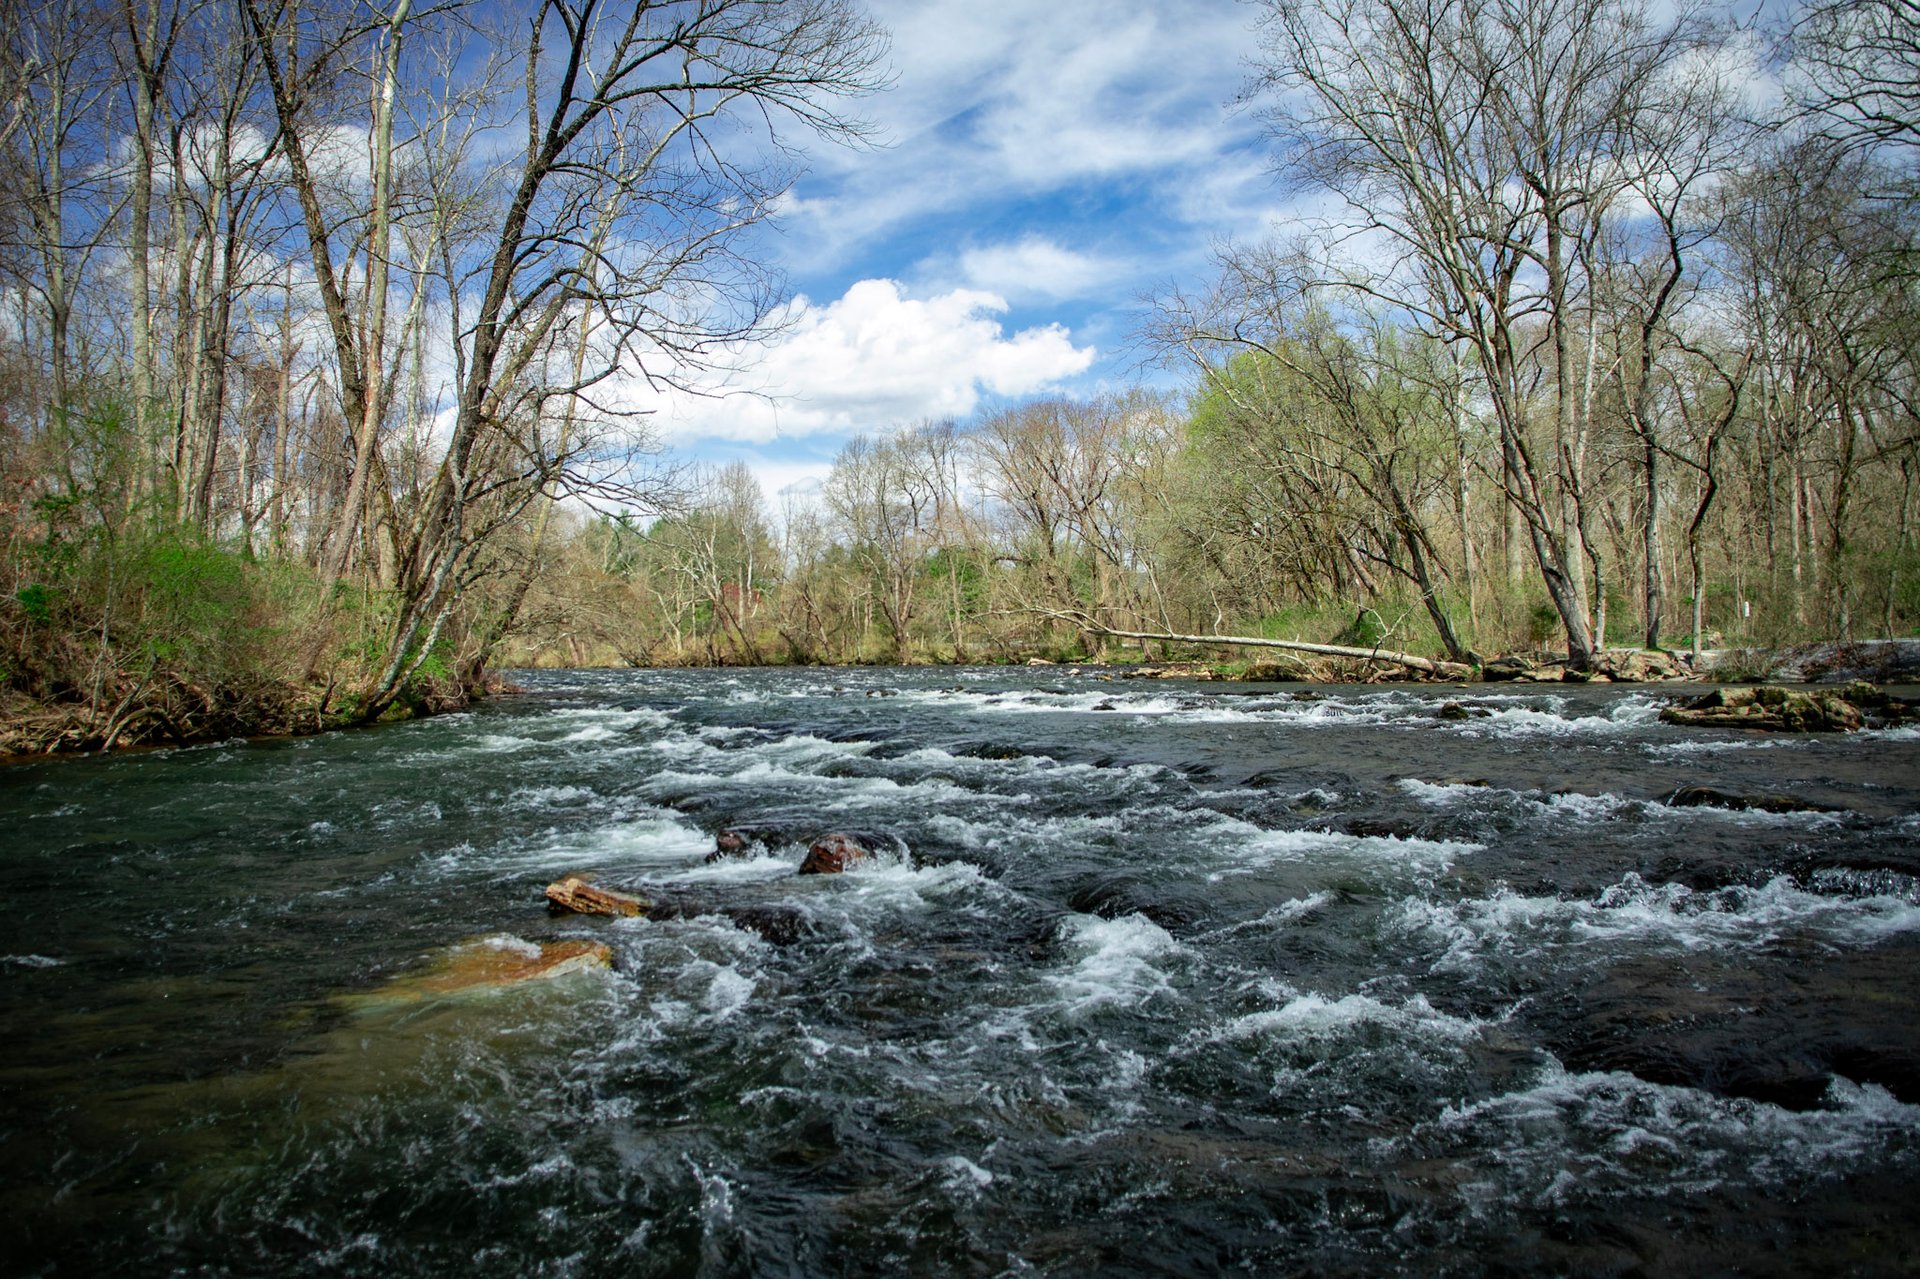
point(1427, 666)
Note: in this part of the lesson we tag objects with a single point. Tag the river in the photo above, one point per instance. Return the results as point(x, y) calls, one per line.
point(1161, 978)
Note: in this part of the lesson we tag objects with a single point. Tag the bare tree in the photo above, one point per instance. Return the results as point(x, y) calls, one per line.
point(1859, 69)
point(1476, 145)
point(662, 123)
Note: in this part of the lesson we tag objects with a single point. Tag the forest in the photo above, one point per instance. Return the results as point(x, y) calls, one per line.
point(319, 321)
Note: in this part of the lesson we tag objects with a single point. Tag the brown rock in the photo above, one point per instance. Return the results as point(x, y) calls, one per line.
point(1634, 666)
point(730, 843)
point(1505, 668)
point(508, 961)
point(1768, 708)
point(576, 894)
point(832, 854)
point(485, 965)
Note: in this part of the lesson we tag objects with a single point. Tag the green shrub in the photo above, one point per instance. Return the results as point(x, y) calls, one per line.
point(36, 601)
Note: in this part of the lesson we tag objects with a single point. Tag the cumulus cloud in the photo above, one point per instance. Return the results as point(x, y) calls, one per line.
point(872, 359)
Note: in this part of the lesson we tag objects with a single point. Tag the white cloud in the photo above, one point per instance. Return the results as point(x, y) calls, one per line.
point(1035, 268)
point(872, 359)
point(1002, 100)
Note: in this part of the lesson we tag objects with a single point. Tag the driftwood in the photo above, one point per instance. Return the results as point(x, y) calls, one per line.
point(1425, 665)
point(576, 894)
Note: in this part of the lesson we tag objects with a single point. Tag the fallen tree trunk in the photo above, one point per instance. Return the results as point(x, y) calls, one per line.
point(1425, 665)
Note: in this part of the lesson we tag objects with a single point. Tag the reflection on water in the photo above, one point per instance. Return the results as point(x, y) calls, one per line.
point(1174, 978)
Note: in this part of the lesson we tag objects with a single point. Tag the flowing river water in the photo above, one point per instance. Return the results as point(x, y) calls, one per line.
point(1160, 978)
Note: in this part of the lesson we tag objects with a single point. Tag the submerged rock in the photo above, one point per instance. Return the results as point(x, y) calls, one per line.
point(584, 898)
point(747, 841)
point(1707, 797)
point(494, 963)
point(1778, 1033)
point(781, 925)
point(775, 922)
point(1767, 707)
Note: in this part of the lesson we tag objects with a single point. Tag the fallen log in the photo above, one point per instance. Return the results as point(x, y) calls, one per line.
point(576, 894)
point(1425, 665)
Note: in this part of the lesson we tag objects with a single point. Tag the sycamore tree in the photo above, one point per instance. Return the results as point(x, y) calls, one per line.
point(572, 182)
point(1481, 152)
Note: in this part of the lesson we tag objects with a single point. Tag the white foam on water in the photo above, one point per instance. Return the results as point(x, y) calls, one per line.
point(964, 1174)
point(1281, 916)
point(555, 1165)
point(1442, 794)
point(497, 743)
point(1118, 962)
point(1310, 1015)
point(1604, 808)
point(1732, 740)
point(652, 838)
point(535, 798)
point(32, 961)
point(1263, 848)
point(1634, 913)
point(508, 942)
point(612, 716)
point(735, 870)
point(728, 993)
point(888, 885)
point(1614, 1132)
point(1628, 716)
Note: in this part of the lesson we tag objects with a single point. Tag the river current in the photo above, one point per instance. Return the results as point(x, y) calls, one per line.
point(1159, 978)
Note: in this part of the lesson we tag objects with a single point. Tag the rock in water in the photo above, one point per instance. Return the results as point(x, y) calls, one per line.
point(1767, 707)
point(729, 843)
point(781, 925)
point(747, 841)
point(832, 854)
point(576, 894)
point(1707, 797)
point(508, 961)
point(488, 964)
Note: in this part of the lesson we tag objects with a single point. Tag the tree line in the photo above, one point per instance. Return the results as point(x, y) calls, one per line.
point(1589, 347)
point(314, 308)
point(320, 321)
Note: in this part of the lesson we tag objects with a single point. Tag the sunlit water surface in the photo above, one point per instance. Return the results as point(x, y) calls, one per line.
point(1173, 978)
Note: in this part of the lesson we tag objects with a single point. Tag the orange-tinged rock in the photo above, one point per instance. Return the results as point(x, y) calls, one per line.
point(578, 895)
point(494, 963)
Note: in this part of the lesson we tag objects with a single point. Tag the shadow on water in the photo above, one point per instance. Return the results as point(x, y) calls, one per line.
point(1170, 979)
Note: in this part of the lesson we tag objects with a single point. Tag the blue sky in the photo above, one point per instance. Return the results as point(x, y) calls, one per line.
point(1043, 166)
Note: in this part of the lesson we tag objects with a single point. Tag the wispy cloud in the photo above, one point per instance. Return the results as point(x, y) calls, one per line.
point(1003, 101)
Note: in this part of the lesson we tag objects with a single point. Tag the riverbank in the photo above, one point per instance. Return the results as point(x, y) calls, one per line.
point(30, 728)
